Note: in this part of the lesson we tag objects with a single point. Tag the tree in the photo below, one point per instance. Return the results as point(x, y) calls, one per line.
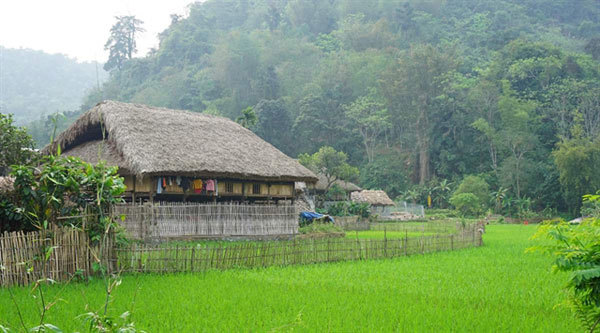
point(274, 123)
point(478, 188)
point(331, 164)
point(371, 119)
point(577, 160)
point(121, 44)
point(387, 171)
point(593, 48)
point(411, 89)
point(248, 118)
point(16, 145)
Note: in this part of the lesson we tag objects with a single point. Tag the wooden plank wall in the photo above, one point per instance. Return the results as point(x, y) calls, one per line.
point(177, 220)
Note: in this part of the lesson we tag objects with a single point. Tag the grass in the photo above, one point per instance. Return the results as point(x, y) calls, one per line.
point(493, 288)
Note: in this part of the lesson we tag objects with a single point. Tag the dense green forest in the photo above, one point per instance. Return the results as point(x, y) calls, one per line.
point(418, 94)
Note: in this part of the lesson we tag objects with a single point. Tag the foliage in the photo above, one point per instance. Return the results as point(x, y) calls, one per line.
point(577, 161)
point(386, 172)
point(476, 186)
point(121, 44)
point(16, 144)
point(331, 164)
point(467, 204)
point(248, 118)
point(65, 187)
point(439, 90)
point(575, 250)
point(320, 228)
point(349, 208)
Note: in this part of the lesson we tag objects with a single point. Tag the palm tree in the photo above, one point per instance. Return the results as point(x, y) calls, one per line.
point(442, 191)
point(498, 197)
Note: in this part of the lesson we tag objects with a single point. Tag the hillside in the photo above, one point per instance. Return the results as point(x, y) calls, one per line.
point(35, 83)
point(412, 91)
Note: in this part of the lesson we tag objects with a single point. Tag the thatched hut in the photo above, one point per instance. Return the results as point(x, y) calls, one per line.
point(174, 155)
point(378, 199)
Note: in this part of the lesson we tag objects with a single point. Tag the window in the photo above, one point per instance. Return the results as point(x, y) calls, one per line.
point(229, 187)
point(255, 188)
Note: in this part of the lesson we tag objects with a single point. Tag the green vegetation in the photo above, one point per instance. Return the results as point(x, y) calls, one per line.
point(575, 249)
point(495, 287)
point(15, 144)
point(417, 94)
point(320, 228)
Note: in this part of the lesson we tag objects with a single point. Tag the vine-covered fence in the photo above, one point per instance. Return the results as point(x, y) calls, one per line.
point(189, 220)
point(22, 255)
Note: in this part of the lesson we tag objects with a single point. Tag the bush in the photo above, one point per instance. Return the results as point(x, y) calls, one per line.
point(320, 228)
point(477, 186)
point(467, 204)
point(60, 187)
point(347, 208)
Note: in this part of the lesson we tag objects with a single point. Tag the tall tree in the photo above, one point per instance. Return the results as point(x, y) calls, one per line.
point(121, 43)
point(411, 89)
point(370, 117)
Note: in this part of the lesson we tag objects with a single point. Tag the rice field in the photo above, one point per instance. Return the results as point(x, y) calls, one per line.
point(496, 287)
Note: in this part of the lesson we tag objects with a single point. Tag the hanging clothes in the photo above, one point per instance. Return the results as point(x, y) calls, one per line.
point(185, 184)
point(216, 188)
point(178, 180)
point(164, 182)
point(210, 185)
point(197, 185)
point(159, 187)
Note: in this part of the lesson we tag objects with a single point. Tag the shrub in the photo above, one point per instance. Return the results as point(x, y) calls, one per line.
point(575, 250)
point(320, 228)
point(477, 186)
point(467, 204)
point(63, 186)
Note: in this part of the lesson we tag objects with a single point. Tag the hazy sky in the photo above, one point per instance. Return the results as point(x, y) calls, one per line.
point(79, 28)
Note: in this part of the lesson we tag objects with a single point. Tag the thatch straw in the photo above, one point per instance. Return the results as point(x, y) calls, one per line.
point(6, 184)
point(156, 141)
point(374, 197)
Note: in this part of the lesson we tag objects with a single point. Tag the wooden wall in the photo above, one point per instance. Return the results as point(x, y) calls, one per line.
point(147, 185)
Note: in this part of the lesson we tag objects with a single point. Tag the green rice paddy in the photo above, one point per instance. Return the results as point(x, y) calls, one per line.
point(493, 288)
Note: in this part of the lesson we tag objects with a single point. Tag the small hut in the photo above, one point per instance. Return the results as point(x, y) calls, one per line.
point(380, 202)
point(174, 155)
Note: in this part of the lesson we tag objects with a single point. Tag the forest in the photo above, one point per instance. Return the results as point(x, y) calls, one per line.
point(418, 94)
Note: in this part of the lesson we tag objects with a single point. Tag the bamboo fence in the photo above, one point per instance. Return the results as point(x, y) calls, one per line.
point(57, 255)
point(179, 220)
point(145, 258)
point(22, 255)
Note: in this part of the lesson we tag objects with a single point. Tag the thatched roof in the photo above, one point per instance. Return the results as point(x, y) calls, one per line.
point(374, 197)
point(146, 140)
point(321, 184)
point(6, 184)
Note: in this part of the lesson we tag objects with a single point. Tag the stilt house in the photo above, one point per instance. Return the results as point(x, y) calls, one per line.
point(174, 155)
